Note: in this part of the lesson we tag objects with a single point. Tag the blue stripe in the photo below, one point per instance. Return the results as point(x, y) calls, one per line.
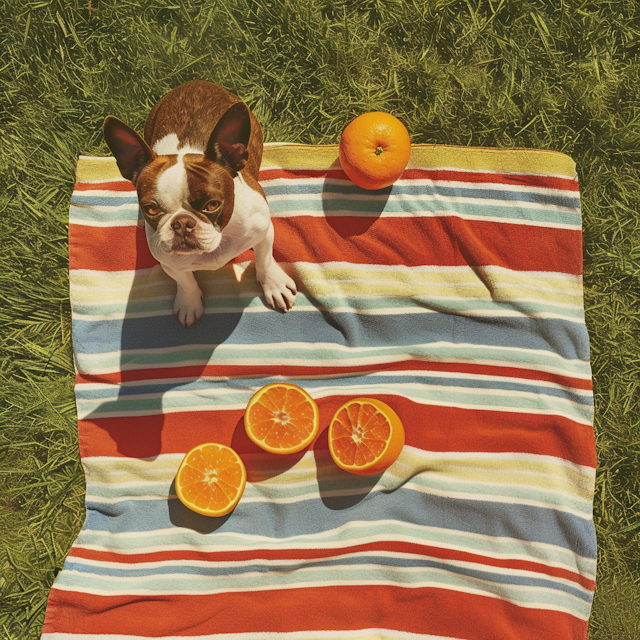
point(336, 382)
point(373, 208)
point(103, 201)
point(564, 200)
point(276, 520)
point(340, 328)
point(92, 213)
point(381, 562)
point(426, 190)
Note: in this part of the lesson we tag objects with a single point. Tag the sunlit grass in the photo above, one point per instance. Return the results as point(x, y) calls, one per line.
point(562, 76)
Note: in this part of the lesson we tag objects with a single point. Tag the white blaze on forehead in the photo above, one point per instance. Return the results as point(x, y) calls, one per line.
point(167, 146)
point(170, 145)
point(172, 187)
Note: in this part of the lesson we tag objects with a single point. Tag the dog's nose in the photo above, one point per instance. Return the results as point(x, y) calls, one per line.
point(183, 224)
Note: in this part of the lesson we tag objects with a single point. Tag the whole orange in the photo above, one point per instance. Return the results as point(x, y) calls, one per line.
point(374, 150)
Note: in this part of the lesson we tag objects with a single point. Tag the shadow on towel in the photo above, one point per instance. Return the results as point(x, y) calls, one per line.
point(338, 489)
point(366, 209)
point(157, 355)
point(182, 516)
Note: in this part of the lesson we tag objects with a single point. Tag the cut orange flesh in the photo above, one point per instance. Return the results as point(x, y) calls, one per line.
point(211, 479)
point(282, 418)
point(365, 436)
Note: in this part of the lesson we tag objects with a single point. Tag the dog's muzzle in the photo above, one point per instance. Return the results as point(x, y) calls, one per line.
point(184, 233)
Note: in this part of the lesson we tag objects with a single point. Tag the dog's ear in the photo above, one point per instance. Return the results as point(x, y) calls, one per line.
point(229, 141)
point(132, 153)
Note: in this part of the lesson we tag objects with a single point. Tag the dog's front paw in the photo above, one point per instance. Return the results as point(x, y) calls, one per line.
point(279, 289)
point(188, 307)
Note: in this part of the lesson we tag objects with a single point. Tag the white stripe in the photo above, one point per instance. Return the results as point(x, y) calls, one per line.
point(420, 182)
point(171, 461)
point(419, 197)
point(129, 315)
point(537, 551)
point(88, 406)
point(355, 583)
point(103, 193)
point(328, 347)
point(106, 209)
point(237, 406)
point(427, 182)
point(384, 214)
point(320, 267)
point(335, 288)
point(316, 495)
point(300, 562)
point(417, 373)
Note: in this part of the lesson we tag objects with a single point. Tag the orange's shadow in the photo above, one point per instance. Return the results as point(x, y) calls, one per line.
point(338, 489)
point(261, 465)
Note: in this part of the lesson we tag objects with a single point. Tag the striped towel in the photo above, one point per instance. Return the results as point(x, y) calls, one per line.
point(456, 298)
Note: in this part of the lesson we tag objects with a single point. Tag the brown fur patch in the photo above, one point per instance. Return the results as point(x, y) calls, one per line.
point(147, 182)
point(207, 180)
point(191, 111)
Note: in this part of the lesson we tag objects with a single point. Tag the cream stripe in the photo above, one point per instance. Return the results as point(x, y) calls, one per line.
point(416, 373)
point(300, 563)
point(481, 589)
point(423, 156)
point(418, 182)
point(493, 547)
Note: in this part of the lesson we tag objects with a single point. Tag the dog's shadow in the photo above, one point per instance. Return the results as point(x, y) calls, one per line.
point(157, 357)
point(164, 373)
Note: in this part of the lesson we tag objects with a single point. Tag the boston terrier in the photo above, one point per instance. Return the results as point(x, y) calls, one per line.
point(196, 174)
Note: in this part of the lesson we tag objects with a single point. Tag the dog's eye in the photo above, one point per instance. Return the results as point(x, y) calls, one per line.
point(211, 206)
point(151, 208)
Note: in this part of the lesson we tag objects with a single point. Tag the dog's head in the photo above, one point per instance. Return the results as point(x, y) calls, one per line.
point(186, 197)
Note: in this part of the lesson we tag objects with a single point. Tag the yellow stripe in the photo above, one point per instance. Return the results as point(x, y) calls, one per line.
point(430, 156)
point(569, 480)
point(93, 168)
point(460, 282)
point(423, 156)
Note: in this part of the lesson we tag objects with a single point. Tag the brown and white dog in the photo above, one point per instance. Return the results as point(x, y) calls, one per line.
point(196, 174)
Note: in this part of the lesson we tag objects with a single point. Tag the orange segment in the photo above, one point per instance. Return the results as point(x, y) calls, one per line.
point(365, 436)
point(211, 479)
point(281, 418)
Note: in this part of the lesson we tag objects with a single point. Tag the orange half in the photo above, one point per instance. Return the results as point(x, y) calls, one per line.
point(282, 418)
point(366, 436)
point(211, 479)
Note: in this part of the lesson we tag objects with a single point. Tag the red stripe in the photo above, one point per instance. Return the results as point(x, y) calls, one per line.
point(419, 610)
point(445, 175)
point(303, 554)
point(120, 185)
point(443, 241)
point(252, 370)
point(516, 179)
point(427, 427)
point(109, 248)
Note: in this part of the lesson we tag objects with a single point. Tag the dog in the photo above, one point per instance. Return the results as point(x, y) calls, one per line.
point(196, 175)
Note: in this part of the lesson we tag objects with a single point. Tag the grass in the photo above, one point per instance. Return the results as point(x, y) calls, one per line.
point(562, 76)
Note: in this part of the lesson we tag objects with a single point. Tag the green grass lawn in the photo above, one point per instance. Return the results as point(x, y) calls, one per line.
point(549, 75)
